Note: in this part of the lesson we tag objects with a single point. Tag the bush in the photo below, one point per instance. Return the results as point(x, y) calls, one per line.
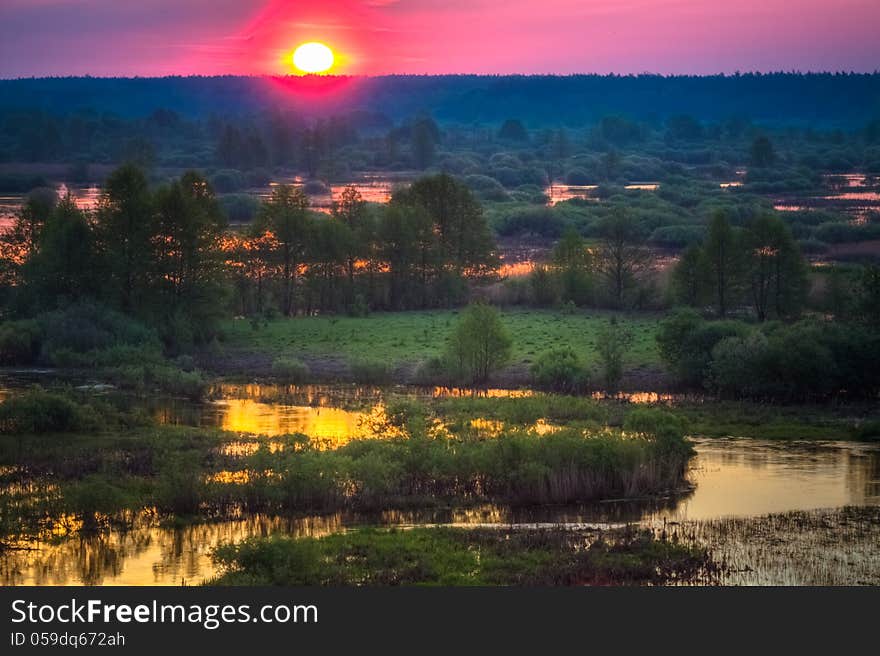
point(542, 221)
point(290, 370)
point(735, 368)
point(560, 370)
point(479, 345)
point(686, 340)
point(88, 327)
point(39, 411)
point(486, 188)
point(371, 372)
point(666, 428)
point(612, 343)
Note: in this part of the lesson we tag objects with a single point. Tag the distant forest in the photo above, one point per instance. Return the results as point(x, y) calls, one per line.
point(821, 100)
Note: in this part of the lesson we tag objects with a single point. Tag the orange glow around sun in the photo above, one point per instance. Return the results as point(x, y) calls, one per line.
point(313, 58)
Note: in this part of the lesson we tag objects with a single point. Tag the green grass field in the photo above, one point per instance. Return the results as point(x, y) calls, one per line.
point(414, 336)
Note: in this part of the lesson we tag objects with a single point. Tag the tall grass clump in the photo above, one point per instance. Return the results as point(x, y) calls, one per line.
point(515, 467)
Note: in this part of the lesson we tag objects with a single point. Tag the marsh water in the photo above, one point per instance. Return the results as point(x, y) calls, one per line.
point(736, 479)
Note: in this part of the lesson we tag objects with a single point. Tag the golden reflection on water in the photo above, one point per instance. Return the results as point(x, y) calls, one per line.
point(456, 392)
point(154, 555)
point(323, 423)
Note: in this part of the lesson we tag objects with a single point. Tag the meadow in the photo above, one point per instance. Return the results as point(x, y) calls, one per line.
point(405, 339)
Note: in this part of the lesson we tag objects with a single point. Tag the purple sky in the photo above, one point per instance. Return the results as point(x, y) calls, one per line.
point(164, 37)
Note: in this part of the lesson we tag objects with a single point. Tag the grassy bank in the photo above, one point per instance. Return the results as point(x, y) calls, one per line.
point(404, 339)
point(445, 556)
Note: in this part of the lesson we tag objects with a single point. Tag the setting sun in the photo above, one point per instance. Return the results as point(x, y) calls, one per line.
point(313, 57)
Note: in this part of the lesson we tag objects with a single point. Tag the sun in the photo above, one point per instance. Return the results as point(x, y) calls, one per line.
point(313, 57)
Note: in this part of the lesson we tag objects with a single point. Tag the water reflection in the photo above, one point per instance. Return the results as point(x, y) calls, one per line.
point(855, 194)
point(558, 192)
point(733, 478)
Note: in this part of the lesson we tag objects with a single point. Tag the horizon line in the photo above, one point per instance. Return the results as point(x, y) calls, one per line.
point(735, 74)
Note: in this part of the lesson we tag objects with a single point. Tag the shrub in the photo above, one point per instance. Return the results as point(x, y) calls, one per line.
point(371, 372)
point(735, 368)
point(39, 411)
point(560, 370)
point(290, 369)
point(88, 326)
point(541, 221)
point(486, 188)
point(479, 345)
point(686, 341)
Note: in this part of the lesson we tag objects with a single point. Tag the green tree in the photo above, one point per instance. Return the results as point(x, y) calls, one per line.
point(351, 211)
point(286, 216)
point(723, 256)
point(188, 258)
point(573, 264)
point(23, 236)
point(327, 253)
point(775, 269)
point(464, 238)
point(691, 280)
point(479, 345)
point(408, 242)
point(65, 268)
point(125, 229)
point(621, 254)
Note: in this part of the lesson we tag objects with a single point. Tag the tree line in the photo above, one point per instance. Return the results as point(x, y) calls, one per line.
point(165, 254)
point(758, 266)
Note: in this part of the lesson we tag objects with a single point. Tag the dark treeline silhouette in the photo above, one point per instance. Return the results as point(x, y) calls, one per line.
point(817, 98)
point(163, 254)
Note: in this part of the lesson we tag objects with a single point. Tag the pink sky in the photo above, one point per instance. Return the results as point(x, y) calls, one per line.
point(208, 37)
